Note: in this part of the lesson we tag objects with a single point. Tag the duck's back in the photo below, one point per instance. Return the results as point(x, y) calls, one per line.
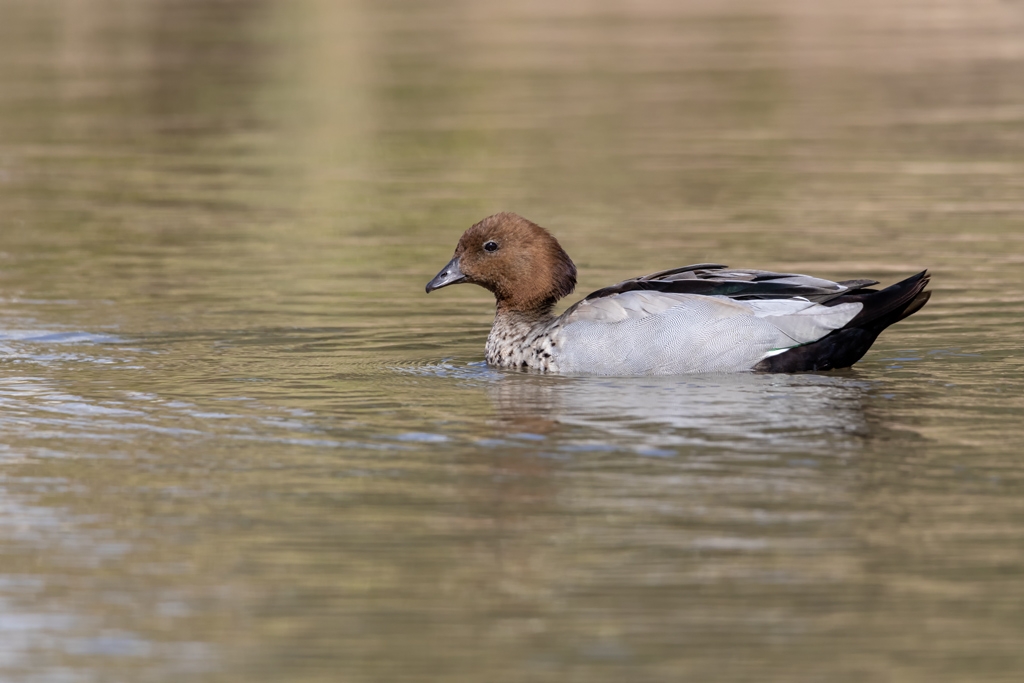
point(640, 332)
point(707, 318)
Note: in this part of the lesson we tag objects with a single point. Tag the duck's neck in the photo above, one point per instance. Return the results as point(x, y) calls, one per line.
point(519, 339)
point(518, 316)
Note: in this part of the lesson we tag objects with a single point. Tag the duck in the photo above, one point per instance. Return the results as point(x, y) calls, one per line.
point(701, 318)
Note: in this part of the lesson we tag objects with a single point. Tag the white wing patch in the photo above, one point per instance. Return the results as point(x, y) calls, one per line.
point(663, 331)
point(801, 320)
point(640, 304)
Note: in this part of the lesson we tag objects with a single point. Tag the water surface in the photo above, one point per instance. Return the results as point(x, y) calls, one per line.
point(240, 443)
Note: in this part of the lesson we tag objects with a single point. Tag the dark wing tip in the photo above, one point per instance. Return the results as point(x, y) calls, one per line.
point(662, 274)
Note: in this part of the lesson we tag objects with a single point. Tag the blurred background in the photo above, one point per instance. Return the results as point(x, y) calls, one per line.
point(239, 443)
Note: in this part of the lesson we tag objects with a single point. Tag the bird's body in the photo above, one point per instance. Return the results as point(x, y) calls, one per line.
point(700, 318)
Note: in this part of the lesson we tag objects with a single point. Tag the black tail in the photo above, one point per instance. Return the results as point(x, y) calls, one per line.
point(843, 347)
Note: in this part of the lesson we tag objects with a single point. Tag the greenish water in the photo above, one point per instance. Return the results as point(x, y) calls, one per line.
point(240, 444)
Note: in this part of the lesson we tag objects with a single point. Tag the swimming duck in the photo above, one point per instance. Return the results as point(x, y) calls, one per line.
point(698, 318)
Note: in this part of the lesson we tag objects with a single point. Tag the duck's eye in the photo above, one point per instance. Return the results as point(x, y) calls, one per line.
point(490, 246)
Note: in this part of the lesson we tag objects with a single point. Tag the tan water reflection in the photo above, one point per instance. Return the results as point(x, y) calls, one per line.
point(240, 444)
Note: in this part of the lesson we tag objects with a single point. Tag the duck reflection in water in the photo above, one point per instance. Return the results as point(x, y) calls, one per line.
point(743, 412)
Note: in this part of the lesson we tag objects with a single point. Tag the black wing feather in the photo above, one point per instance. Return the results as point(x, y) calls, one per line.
point(713, 279)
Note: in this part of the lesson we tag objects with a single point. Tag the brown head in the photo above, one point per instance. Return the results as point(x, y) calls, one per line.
point(519, 261)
